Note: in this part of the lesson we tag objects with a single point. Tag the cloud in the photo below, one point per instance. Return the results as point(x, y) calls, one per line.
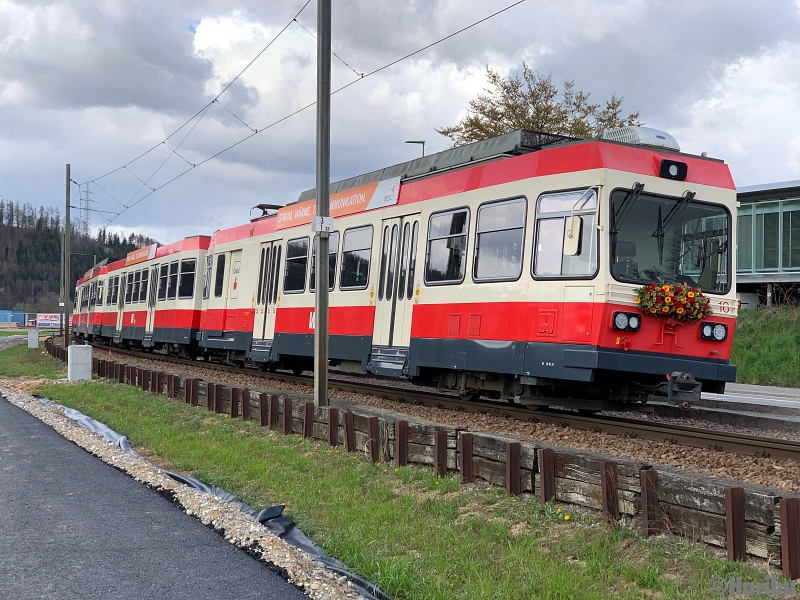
point(751, 116)
point(98, 83)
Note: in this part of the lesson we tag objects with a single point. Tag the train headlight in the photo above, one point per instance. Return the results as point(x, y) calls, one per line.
point(714, 331)
point(626, 321)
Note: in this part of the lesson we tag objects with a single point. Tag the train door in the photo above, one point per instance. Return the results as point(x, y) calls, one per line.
point(234, 283)
point(121, 287)
point(151, 303)
point(266, 290)
point(395, 298)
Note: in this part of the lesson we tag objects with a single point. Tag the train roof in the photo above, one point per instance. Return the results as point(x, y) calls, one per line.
point(514, 143)
point(195, 242)
point(509, 144)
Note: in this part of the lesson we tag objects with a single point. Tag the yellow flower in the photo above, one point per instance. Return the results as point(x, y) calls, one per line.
point(652, 310)
point(665, 288)
point(690, 294)
point(665, 309)
point(559, 510)
point(668, 299)
point(680, 310)
point(566, 517)
point(637, 300)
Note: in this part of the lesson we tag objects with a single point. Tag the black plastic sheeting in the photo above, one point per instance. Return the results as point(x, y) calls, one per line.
point(272, 518)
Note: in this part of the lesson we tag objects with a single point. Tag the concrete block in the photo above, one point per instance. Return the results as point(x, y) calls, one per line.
point(79, 364)
point(33, 338)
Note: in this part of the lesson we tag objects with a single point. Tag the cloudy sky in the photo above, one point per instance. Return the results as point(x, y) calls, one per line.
point(97, 83)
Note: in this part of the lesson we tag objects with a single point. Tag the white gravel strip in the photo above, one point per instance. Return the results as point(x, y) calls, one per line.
point(239, 527)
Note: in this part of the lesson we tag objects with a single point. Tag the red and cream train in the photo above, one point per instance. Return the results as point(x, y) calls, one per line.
point(507, 268)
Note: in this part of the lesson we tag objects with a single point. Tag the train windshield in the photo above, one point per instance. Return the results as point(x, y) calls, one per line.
point(664, 239)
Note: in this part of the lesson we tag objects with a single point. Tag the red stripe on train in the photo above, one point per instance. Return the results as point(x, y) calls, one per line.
point(177, 318)
point(343, 320)
point(562, 322)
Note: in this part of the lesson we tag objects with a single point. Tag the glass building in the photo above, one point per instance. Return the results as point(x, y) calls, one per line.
point(768, 238)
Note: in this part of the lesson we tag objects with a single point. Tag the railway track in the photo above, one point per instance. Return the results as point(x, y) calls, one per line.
point(695, 437)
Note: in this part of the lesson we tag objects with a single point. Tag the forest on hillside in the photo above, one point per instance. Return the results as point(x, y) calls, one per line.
point(30, 255)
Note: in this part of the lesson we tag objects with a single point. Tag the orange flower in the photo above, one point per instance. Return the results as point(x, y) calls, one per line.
point(690, 294)
point(665, 309)
point(637, 300)
point(665, 288)
point(680, 310)
point(668, 299)
point(652, 310)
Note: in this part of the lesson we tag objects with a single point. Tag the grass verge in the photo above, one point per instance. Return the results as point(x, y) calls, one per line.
point(766, 346)
point(414, 535)
point(19, 361)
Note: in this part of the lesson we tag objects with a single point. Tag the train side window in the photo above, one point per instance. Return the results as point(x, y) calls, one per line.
point(163, 276)
point(219, 279)
point(129, 288)
point(356, 253)
point(186, 285)
point(110, 291)
point(143, 289)
point(151, 301)
point(499, 235)
point(447, 247)
point(267, 283)
point(401, 284)
point(207, 282)
point(100, 286)
point(333, 251)
point(296, 261)
point(276, 268)
point(384, 259)
point(553, 211)
point(137, 279)
point(260, 280)
point(390, 270)
point(271, 283)
point(412, 265)
point(172, 283)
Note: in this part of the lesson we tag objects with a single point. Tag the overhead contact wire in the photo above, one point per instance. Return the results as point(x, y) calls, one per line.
point(230, 83)
point(307, 106)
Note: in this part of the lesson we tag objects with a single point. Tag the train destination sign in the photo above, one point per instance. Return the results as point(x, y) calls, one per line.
point(358, 199)
point(141, 255)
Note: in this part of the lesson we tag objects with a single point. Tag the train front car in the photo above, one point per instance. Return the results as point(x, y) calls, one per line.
point(601, 276)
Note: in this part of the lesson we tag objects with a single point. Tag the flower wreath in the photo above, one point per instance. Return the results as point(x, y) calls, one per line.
point(670, 301)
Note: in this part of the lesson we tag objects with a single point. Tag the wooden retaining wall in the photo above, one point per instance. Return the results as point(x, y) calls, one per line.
point(744, 519)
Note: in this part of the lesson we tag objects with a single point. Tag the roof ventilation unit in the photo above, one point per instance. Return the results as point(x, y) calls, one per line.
point(642, 136)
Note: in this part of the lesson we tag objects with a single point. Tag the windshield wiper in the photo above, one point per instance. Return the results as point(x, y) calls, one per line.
point(681, 206)
point(619, 215)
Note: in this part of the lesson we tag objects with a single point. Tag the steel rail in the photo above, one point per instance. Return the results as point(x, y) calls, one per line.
point(695, 437)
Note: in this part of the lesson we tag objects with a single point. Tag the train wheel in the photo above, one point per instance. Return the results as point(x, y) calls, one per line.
point(470, 396)
point(298, 370)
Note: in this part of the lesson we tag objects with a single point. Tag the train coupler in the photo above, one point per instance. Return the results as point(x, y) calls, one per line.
point(683, 389)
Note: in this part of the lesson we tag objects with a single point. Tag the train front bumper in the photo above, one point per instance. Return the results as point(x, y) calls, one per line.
point(602, 359)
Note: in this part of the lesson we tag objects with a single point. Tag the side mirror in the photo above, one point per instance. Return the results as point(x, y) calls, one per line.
point(572, 235)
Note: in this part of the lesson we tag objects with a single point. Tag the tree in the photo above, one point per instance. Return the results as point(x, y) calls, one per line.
point(534, 102)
